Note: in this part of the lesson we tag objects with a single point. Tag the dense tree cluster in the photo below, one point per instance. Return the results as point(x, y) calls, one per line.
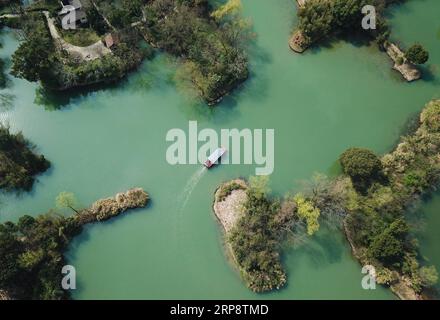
point(96, 22)
point(9, 3)
point(32, 250)
point(255, 241)
point(210, 44)
point(213, 50)
point(18, 163)
point(267, 222)
point(122, 13)
point(31, 256)
point(320, 19)
point(37, 59)
point(307, 212)
point(362, 166)
point(377, 221)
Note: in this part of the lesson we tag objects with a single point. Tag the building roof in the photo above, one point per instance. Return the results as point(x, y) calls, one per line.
point(75, 3)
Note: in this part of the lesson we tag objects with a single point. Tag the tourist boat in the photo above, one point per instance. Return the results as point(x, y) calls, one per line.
point(214, 157)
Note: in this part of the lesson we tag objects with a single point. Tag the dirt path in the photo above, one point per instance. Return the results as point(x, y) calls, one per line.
point(92, 52)
point(9, 16)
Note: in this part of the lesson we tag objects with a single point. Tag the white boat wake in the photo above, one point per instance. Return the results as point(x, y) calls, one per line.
point(189, 188)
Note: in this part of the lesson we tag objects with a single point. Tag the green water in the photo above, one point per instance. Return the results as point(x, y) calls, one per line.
point(109, 140)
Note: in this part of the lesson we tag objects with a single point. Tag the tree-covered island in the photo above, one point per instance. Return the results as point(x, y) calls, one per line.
point(111, 38)
point(371, 202)
point(323, 20)
point(32, 250)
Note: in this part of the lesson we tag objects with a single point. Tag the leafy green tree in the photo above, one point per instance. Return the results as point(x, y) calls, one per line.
point(34, 58)
point(96, 22)
point(389, 246)
point(306, 211)
point(10, 249)
point(30, 259)
point(428, 276)
point(362, 166)
point(417, 54)
point(67, 200)
point(25, 224)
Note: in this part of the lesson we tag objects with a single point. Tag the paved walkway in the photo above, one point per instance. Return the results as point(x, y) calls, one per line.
point(92, 52)
point(10, 15)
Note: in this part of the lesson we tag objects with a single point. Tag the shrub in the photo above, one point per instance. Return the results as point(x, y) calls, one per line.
point(306, 211)
point(428, 276)
point(320, 18)
point(417, 54)
point(362, 166)
point(416, 179)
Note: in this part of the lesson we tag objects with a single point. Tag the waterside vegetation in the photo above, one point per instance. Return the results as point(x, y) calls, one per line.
point(18, 163)
point(209, 42)
point(256, 225)
point(377, 224)
point(32, 250)
point(39, 58)
point(371, 202)
point(323, 20)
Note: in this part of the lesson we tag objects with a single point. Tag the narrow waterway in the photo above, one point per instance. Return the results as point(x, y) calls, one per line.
point(109, 140)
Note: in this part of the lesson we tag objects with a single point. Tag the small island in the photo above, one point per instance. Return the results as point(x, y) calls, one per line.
point(370, 198)
point(243, 210)
point(323, 20)
point(32, 250)
point(383, 191)
point(368, 202)
point(256, 225)
point(109, 39)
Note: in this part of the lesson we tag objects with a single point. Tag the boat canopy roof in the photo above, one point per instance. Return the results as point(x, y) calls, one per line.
point(216, 155)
